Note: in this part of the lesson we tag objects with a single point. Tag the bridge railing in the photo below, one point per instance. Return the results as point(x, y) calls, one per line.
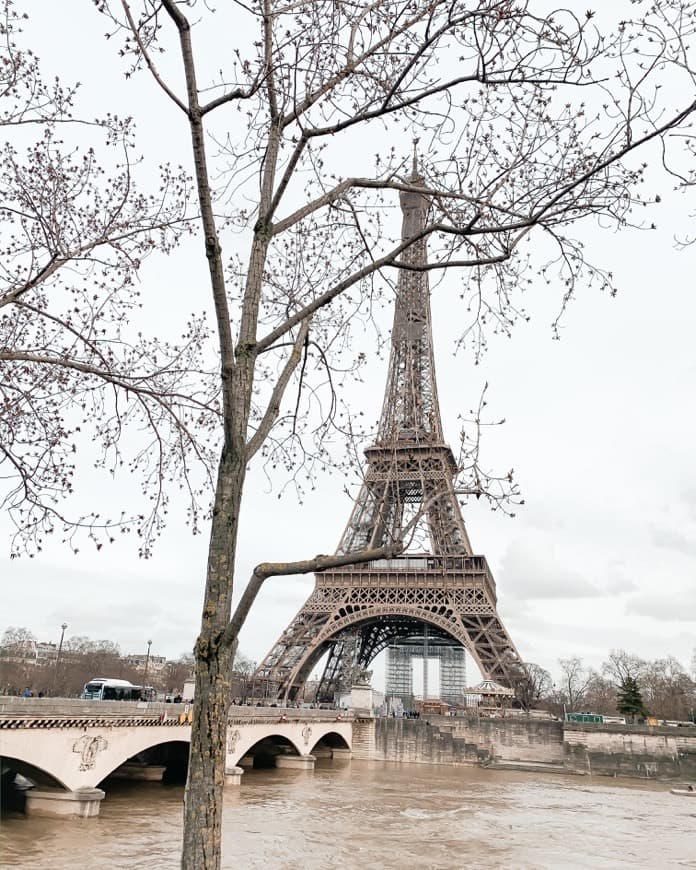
point(76, 708)
point(288, 714)
point(69, 708)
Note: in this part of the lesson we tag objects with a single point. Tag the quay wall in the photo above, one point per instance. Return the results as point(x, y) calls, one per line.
point(630, 750)
point(533, 740)
point(529, 743)
point(412, 741)
point(444, 740)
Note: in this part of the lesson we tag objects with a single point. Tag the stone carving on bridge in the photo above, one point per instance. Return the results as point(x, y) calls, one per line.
point(232, 740)
point(306, 734)
point(88, 747)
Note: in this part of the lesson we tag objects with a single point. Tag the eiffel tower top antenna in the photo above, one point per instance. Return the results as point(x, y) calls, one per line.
point(410, 409)
point(415, 157)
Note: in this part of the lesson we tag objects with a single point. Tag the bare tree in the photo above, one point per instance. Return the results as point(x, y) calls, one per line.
point(527, 124)
point(74, 374)
point(575, 680)
point(242, 671)
point(17, 642)
point(176, 672)
point(533, 686)
point(601, 695)
point(82, 660)
point(17, 656)
point(668, 690)
point(622, 665)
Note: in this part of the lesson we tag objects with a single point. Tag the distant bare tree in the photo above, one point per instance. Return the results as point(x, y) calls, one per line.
point(17, 642)
point(83, 659)
point(600, 696)
point(17, 652)
point(668, 690)
point(533, 686)
point(575, 680)
point(622, 665)
point(528, 123)
point(172, 678)
point(242, 672)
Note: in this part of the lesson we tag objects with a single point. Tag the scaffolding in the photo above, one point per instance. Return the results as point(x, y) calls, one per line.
point(401, 656)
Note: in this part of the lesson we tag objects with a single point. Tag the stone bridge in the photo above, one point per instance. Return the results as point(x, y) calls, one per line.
point(68, 748)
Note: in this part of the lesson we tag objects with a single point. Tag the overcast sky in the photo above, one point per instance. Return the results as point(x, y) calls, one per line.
point(601, 428)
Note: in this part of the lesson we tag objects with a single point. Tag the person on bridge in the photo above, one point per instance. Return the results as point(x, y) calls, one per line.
point(28, 693)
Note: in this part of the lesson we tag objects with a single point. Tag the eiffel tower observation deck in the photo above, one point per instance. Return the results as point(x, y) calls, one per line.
point(408, 494)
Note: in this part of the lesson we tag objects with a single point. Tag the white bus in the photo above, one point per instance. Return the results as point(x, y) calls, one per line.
point(106, 689)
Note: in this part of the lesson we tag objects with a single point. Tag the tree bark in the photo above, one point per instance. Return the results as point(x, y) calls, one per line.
point(206, 773)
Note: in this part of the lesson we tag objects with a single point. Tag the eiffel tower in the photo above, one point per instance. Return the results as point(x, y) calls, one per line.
point(408, 493)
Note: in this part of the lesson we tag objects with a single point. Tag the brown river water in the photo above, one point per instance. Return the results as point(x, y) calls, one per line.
point(373, 815)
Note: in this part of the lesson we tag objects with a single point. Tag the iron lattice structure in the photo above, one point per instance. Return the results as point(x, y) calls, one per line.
point(356, 611)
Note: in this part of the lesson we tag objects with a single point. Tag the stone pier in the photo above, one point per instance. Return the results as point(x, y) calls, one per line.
point(322, 752)
point(80, 804)
point(341, 754)
point(296, 762)
point(233, 776)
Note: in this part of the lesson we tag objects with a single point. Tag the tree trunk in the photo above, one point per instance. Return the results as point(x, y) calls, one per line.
point(206, 773)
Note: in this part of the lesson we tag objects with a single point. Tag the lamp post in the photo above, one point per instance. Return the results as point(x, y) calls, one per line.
point(147, 661)
point(60, 650)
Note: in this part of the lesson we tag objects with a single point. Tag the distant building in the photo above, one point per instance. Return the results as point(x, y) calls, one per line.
point(45, 652)
point(154, 663)
point(31, 652)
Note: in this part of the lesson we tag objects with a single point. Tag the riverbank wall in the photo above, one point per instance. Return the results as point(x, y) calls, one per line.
point(630, 750)
point(532, 744)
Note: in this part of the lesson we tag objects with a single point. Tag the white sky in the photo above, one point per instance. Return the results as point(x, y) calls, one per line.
point(600, 429)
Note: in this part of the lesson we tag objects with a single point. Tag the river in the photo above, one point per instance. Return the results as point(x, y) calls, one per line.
point(374, 815)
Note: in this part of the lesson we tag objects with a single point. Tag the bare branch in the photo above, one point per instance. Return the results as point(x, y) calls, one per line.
point(320, 563)
point(148, 60)
point(273, 409)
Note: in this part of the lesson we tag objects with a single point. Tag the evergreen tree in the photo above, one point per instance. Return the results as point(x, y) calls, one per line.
point(629, 699)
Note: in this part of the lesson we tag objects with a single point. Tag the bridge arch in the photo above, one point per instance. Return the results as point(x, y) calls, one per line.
point(291, 736)
point(11, 766)
point(261, 745)
point(139, 744)
point(171, 757)
point(330, 740)
point(81, 757)
point(40, 763)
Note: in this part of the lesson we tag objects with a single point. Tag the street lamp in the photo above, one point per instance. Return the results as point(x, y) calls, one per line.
point(147, 661)
point(60, 650)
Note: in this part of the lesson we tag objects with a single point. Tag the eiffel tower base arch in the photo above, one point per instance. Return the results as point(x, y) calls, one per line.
point(355, 612)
